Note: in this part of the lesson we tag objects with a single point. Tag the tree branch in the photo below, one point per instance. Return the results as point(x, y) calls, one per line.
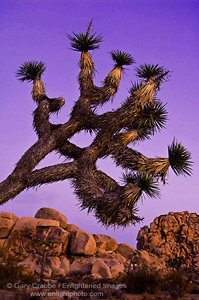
point(16, 183)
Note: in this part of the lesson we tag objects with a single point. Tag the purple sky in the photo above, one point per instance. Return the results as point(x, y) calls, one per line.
point(153, 31)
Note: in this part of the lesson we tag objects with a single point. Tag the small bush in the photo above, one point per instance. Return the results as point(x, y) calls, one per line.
point(142, 280)
point(11, 272)
point(175, 283)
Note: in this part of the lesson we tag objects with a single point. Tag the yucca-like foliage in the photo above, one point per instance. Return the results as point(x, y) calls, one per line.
point(179, 159)
point(31, 70)
point(83, 42)
point(152, 72)
point(121, 58)
point(146, 183)
point(154, 118)
point(136, 85)
point(148, 121)
point(117, 213)
point(138, 118)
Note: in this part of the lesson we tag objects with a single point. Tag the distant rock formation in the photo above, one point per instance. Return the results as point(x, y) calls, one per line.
point(173, 237)
point(46, 245)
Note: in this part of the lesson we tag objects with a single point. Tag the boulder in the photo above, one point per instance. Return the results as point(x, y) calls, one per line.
point(120, 258)
point(29, 260)
point(81, 266)
point(58, 273)
point(5, 227)
point(9, 216)
point(32, 235)
point(70, 227)
point(54, 262)
point(100, 268)
point(152, 262)
point(65, 264)
point(155, 241)
point(116, 269)
point(40, 265)
point(52, 214)
point(82, 243)
point(53, 240)
point(104, 254)
point(47, 271)
point(125, 250)
point(20, 241)
point(110, 262)
point(105, 242)
point(47, 223)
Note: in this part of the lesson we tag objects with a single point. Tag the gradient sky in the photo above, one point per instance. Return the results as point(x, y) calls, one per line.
point(158, 32)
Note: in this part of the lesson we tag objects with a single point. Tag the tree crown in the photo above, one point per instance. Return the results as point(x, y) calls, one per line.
point(138, 118)
point(31, 70)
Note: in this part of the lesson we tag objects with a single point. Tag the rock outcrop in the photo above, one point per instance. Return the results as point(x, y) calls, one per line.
point(173, 237)
point(51, 248)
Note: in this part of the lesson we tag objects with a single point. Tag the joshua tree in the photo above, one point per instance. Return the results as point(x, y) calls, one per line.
point(138, 118)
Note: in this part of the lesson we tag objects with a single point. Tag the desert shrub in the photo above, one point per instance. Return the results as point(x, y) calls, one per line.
point(175, 283)
point(11, 272)
point(142, 280)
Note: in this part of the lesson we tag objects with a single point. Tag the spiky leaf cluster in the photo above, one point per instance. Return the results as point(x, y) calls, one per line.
point(30, 70)
point(152, 72)
point(121, 58)
point(144, 181)
point(82, 42)
point(154, 117)
point(179, 159)
point(149, 120)
point(116, 213)
point(136, 85)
